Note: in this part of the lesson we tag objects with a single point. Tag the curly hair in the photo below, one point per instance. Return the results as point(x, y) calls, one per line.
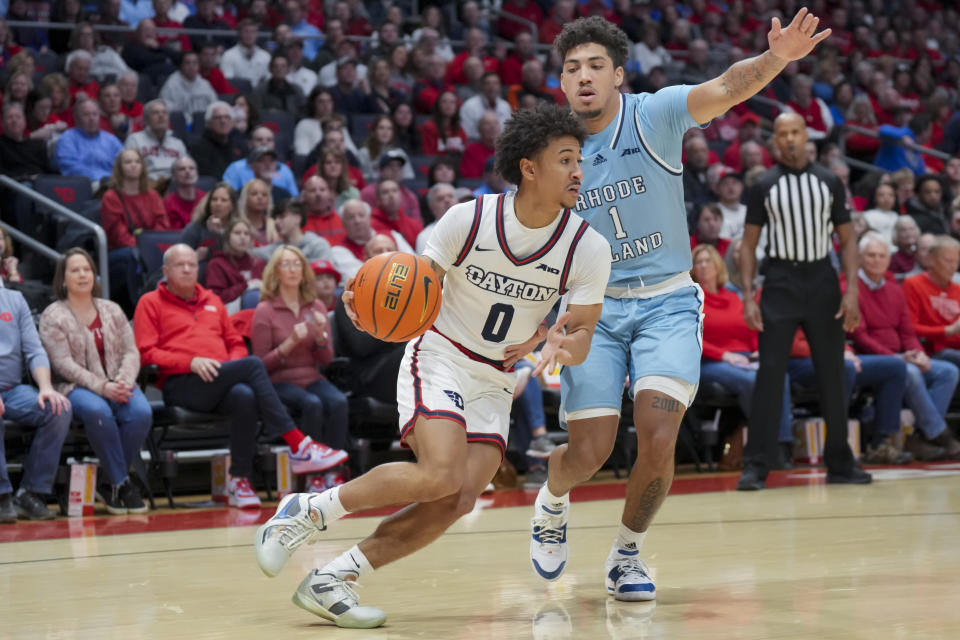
point(594, 30)
point(528, 133)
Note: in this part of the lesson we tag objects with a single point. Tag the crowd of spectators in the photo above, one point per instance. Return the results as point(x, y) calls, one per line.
point(321, 132)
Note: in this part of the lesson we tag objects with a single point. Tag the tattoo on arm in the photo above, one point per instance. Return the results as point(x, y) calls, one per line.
point(670, 405)
point(436, 268)
point(745, 78)
point(648, 504)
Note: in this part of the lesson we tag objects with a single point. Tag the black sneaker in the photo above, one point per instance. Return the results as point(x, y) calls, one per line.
point(785, 449)
point(853, 475)
point(130, 497)
point(751, 480)
point(110, 497)
point(30, 506)
point(8, 514)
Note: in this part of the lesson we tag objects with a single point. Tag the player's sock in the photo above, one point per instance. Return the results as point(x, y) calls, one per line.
point(329, 503)
point(294, 438)
point(350, 565)
point(628, 541)
point(545, 498)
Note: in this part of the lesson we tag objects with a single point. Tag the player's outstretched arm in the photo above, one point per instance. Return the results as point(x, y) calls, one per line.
point(745, 78)
point(569, 348)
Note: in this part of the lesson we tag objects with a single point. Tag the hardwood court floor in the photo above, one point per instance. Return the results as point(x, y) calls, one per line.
point(812, 561)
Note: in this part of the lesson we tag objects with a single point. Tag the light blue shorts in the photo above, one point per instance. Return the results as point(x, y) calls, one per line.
point(660, 337)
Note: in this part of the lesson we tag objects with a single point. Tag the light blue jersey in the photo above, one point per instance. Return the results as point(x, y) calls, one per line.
point(632, 190)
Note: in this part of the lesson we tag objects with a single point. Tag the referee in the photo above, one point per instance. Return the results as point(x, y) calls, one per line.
point(801, 204)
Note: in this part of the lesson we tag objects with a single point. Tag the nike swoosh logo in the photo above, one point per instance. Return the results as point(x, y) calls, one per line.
point(479, 249)
point(426, 296)
point(354, 561)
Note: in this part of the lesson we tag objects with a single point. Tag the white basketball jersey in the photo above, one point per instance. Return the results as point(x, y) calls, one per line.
point(494, 298)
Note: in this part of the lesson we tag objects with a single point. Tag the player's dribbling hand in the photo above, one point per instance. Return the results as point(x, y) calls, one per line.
point(515, 353)
point(553, 352)
point(347, 298)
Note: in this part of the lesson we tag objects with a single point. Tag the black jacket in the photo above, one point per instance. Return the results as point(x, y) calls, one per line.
point(213, 157)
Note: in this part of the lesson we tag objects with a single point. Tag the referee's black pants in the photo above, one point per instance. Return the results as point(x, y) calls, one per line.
point(803, 295)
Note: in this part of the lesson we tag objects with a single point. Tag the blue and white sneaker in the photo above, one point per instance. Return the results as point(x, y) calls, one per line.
point(628, 577)
point(548, 540)
point(298, 520)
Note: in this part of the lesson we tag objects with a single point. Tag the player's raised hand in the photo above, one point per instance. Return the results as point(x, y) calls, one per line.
point(515, 353)
point(798, 38)
point(347, 298)
point(553, 352)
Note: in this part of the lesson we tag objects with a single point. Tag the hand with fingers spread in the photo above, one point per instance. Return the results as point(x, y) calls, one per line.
point(554, 351)
point(798, 38)
point(207, 368)
point(515, 353)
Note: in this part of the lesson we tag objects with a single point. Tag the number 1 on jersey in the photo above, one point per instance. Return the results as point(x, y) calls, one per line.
point(617, 226)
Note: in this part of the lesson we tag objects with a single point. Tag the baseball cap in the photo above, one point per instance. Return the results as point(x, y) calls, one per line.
point(324, 266)
point(390, 155)
point(259, 152)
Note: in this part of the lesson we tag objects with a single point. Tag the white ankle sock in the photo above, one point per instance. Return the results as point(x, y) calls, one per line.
point(351, 564)
point(628, 539)
point(331, 506)
point(544, 497)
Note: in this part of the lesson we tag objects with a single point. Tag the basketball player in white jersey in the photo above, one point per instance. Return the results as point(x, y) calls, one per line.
point(504, 261)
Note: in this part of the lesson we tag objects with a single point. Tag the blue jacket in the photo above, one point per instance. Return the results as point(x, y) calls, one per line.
point(239, 173)
point(19, 341)
point(892, 155)
point(79, 154)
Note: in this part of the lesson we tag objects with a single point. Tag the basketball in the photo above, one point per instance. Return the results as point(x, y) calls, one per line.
point(396, 296)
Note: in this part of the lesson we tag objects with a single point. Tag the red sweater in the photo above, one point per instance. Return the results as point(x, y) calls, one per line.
point(354, 248)
point(404, 225)
point(885, 325)
point(724, 328)
point(474, 157)
point(180, 211)
point(272, 323)
point(811, 115)
point(430, 140)
point(227, 276)
point(932, 309)
point(120, 215)
point(170, 331)
point(328, 226)
point(722, 244)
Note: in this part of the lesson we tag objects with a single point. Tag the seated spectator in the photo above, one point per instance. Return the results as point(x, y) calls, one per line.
point(308, 132)
point(523, 9)
point(183, 197)
point(289, 217)
point(218, 147)
point(861, 114)
point(382, 96)
point(293, 16)
point(474, 156)
point(9, 271)
point(348, 255)
point(210, 218)
point(21, 158)
point(326, 280)
point(242, 171)
point(928, 207)
point(147, 55)
point(906, 235)
point(108, 13)
point(347, 97)
point(299, 75)
point(883, 212)
point(235, 274)
point(95, 365)
point(729, 346)
point(493, 182)
point(388, 217)
point(333, 168)
point(696, 191)
point(112, 119)
point(275, 91)
point(42, 123)
point(442, 133)
point(321, 218)
point(18, 86)
point(381, 141)
point(440, 198)
point(254, 205)
point(245, 59)
point(533, 82)
point(86, 150)
point(210, 72)
point(431, 85)
point(206, 18)
point(156, 143)
point(128, 208)
point(729, 193)
point(393, 165)
point(443, 169)
point(707, 226)
point(41, 408)
point(170, 15)
point(77, 68)
point(129, 85)
point(934, 301)
point(886, 331)
point(185, 91)
point(489, 100)
point(648, 54)
point(747, 131)
point(812, 109)
point(406, 131)
point(204, 366)
point(105, 61)
point(291, 336)
point(511, 68)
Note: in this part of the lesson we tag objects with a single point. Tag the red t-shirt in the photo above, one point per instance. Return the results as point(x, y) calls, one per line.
point(404, 225)
point(180, 211)
point(96, 328)
point(326, 226)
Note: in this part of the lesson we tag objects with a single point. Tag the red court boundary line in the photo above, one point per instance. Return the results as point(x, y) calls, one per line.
point(217, 517)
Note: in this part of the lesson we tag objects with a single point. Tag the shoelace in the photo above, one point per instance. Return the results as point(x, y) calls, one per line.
point(350, 591)
point(548, 534)
point(632, 567)
point(300, 530)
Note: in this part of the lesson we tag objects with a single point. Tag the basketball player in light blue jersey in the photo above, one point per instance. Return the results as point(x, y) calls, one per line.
point(651, 327)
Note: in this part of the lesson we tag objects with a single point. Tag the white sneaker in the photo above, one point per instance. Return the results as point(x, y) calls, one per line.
point(628, 577)
point(241, 494)
point(552, 622)
point(628, 621)
point(326, 595)
point(548, 539)
point(298, 520)
point(315, 456)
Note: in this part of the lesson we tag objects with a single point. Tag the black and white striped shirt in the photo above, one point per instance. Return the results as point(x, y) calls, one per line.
point(800, 208)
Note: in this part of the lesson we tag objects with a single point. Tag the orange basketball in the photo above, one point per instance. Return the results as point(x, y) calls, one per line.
point(397, 296)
